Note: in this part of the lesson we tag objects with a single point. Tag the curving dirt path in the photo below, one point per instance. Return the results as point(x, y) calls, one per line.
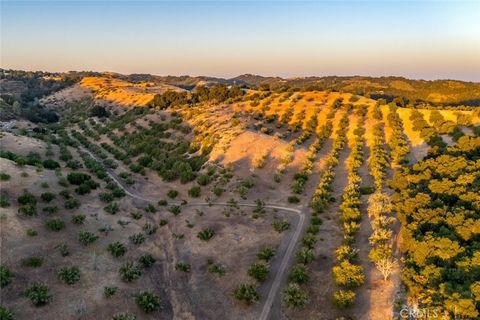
point(278, 267)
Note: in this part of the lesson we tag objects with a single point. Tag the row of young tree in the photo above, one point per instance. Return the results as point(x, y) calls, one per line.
point(438, 204)
point(322, 197)
point(324, 132)
point(347, 273)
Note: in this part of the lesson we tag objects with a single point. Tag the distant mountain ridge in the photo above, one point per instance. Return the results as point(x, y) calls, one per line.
point(439, 92)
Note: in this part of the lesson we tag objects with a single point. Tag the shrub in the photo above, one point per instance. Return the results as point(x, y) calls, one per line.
point(203, 179)
point(175, 210)
point(293, 199)
point(72, 203)
point(348, 275)
point(5, 276)
point(63, 248)
point(258, 270)
point(148, 301)
point(149, 228)
point(87, 238)
point(69, 275)
point(106, 197)
point(163, 222)
point(5, 313)
point(206, 234)
point(137, 238)
point(247, 293)
point(280, 225)
point(172, 193)
point(147, 260)
point(194, 192)
point(78, 219)
point(47, 196)
point(51, 164)
point(55, 224)
point(343, 298)
point(33, 262)
point(38, 293)
point(299, 274)
point(112, 208)
point(294, 297)
point(136, 215)
point(27, 198)
point(162, 202)
point(124, 316)
point(185, 267)
point(305, 255)
point(31, 233)
point(266, 254)
point(109, 291)
point(217, 268)
point(4, 202)
point(117, 249)
point(28, 210)
point(77, 178)
point(4, 176)
point(130, 271)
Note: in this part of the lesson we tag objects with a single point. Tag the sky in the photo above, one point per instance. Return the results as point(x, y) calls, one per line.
point(415, 39)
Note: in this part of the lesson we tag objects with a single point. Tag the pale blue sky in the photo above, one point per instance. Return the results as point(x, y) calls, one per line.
point(429, 39)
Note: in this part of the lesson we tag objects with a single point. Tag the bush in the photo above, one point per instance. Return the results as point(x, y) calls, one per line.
point(109, 291)
point(294, 297)
point(28, 210)
point(38, 293)
point(206, 234)
point(5, 313)
point(185, 267)
point(147, 260)
point(162, 202)
point(47, 196)
point(124, 316)
point(348, 275)
point(172, 193)
point(130, 271)
point(4, 202)
point(194, 192)
point(63, 248)
point(112, 208)
point(69, 275)
point(203, 179)
point(343, 298)
point(78, 219)
point(293, 199)
point(148, 301)
point(33, 262)
point(136, 215)
point(299, 274)
point(72, 203)
point(305, 255)
point(117, 249)
point(50, 164)
point(31, 233)
point(106, 197)
point(5, 276)
point(280, 225)
point(87, 238)
point(247, 293)
point(258, 270)
point(4, 176)
point(55, 224)
point(77, 178)
point(137, 238)
point(175, 210)
point(266, 254)
point(149, 228)
point(27, 198)
point(217, 268)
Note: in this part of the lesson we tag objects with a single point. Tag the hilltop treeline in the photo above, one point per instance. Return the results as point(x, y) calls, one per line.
point(217, 93)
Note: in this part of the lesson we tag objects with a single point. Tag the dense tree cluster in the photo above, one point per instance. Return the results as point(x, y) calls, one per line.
point(438, 204)
point(379, 160)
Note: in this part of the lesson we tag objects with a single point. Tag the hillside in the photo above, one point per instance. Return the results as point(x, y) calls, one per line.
point(147, 200)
